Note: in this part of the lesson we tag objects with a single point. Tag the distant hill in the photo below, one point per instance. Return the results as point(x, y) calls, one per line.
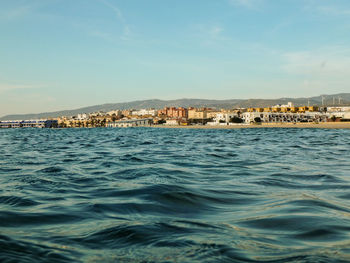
point(158, 104)
point(329, 100)
point(140, 104)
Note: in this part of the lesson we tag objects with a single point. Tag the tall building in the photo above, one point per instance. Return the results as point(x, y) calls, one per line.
point(173, 112)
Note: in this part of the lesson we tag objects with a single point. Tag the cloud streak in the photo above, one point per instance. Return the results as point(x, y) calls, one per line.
point(323, 63)
point(333, 11)
point(7, 87)
point(250, 4)
point(120, 17)
point(17, 12)
point(319, 69)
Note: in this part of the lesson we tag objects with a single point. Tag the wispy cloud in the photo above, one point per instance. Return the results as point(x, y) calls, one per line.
point(27, 10)
point(16, 12)
point(215, 30)
point(208, 31)
point(324, 62)
point(7, 87)
point(324, 68)
point(251, 4)
point(333, 11)
point(318, 7)
point(100, 34)
point(120, 17)
point(212, 32)
point(208, 34)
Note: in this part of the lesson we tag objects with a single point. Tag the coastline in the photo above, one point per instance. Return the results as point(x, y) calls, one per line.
point(324, 125)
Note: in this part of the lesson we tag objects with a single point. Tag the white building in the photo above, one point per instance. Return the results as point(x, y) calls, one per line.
point(338, 109)
point(81, 117)
point(29, 124)
point(347, 115)
point(288, 105)
point(99, 113)
point(117, 113)
point(339, 114)
point(145, 112)
point(131, 123)
point(278, 117)
point(222, 118)
point(172, 122)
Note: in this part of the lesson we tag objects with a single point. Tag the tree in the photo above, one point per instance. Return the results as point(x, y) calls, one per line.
point(257, 119)
point(333, 118)
point(103, 122)
point(236, 119)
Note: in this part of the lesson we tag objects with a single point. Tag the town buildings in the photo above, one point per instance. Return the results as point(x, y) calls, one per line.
point(131, 123)
point(126, 113)
point(288, 113)
point(173, 112)
point(29, 124)
point(278, 117)
point(144, 112)
point(172, 122)
point(82, 117)
point(116, 113)
point(285, 113)
point(223, 117)
point(197, 114)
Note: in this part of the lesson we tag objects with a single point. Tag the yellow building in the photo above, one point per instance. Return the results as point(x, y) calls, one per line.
point(313, 108)
point(126, 112)
point(294, 109)
point(276, 109)
point(303, 109)
point(212, 114)
point(197, 114)
point(267, 109)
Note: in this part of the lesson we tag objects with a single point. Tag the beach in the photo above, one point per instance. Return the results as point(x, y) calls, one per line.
point(324, 125)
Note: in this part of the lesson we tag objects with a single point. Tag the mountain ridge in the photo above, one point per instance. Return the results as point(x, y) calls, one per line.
point(187, 102)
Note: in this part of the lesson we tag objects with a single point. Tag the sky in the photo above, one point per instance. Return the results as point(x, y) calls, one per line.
point(64, 54)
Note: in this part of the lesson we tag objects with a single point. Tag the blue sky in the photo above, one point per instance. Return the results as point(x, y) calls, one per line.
point(64, 54)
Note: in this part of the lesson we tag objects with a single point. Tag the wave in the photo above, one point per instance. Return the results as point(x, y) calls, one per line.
point(174, 195)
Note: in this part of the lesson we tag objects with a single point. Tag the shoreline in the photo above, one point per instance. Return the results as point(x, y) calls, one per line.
point(325, 125)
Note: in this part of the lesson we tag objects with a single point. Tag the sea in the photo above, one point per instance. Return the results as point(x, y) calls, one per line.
point(174, 195)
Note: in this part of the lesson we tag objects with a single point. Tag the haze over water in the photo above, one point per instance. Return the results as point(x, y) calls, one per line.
point(174, 195)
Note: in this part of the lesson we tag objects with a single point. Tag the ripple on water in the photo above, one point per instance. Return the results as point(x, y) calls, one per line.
point(174, 195)
point(17, 201)
point(21, 251)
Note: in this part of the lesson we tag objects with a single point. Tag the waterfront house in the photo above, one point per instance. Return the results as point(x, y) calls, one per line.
point(29, 124)
point(131, 123)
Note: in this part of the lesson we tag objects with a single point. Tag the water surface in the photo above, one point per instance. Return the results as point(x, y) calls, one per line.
point(174, 195)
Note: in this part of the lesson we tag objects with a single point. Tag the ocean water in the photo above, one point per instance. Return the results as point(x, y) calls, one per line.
point(174, 195)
